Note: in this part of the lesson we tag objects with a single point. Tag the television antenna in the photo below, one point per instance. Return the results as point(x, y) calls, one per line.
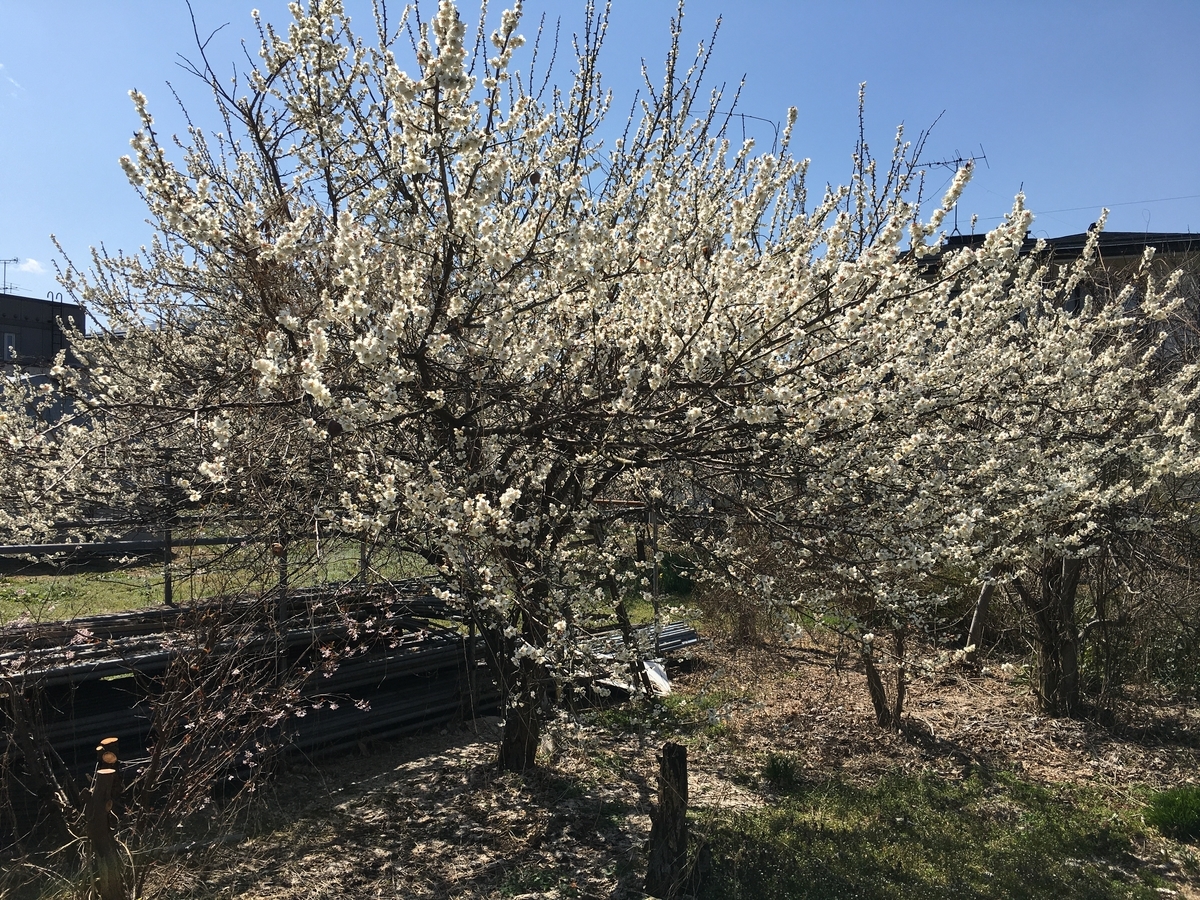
point(954, 164)
point(4, 285)
point(957, 161)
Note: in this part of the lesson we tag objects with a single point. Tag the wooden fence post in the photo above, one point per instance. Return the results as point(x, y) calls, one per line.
point(282, 612)
point(106, 852)
point(168, 575)
point(667, 867)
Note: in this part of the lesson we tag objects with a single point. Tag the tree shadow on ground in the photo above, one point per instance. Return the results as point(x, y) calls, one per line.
point(445, 823)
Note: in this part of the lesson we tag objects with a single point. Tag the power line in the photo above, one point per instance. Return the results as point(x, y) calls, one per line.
point(1099, 205)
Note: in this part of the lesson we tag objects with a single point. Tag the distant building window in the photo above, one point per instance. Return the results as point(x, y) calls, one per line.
point(10, 347)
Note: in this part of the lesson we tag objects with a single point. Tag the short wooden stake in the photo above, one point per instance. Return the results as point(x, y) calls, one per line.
point(108, 757)
point(667, 867)
point(109, 865)
point(107, 752)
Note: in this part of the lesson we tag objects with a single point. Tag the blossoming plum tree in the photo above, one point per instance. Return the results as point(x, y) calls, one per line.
point(427, 304)
point(1003, 434)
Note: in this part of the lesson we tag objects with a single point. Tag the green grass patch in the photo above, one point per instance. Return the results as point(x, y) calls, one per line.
point(702, 716)
point(1176, 812)
point(527, 880)
point(640, 610)
point(43, 593)
point(48, 598)
point(923, 837)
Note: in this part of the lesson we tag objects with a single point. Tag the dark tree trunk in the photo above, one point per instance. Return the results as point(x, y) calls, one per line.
point(523, 683)
point(522, 729)
point(529, 686)
point(667, 867)
point(879, 698)
point(979, 618)
point(887, 713)
point(1056, 633)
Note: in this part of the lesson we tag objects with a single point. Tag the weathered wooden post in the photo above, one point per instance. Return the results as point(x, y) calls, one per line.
point(168, 579)
point(109, 865)
point(168, 521)
point(667, 867)
point(280, 551)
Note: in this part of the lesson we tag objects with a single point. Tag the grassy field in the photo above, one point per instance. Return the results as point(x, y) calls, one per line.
point(44, 592)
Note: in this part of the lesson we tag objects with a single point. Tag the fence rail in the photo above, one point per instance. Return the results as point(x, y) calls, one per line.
point(92, 677)
point(121, 547)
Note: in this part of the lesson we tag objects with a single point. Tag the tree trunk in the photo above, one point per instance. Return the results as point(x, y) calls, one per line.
point(523, 682)
point(667, 867)
point(1057, 634)
point(888, 713)
point(879, 698)
point(522, 729)
point(979, 618)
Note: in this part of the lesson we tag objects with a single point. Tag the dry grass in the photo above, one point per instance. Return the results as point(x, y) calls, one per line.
point(431, 817)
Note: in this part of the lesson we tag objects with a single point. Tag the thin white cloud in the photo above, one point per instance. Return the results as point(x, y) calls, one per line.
point(32, 266)
point(11, 80)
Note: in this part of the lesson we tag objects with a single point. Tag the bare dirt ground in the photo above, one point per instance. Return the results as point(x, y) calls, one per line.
point(431, 816)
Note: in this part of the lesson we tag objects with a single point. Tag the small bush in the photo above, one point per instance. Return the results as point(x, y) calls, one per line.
point(1176, 813)
point(780, 771)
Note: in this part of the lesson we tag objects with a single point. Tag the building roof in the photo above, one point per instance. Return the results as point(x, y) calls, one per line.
point(29, 329)
point(35, 312)
point(1112, 243)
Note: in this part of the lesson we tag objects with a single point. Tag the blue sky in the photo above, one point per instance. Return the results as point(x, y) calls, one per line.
point(1084, 104)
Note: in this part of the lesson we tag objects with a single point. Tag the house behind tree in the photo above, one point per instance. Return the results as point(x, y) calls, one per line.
point(30, 330)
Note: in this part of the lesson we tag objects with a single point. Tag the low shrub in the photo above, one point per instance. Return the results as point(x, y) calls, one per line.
point(780, 771)
point(1176, 812)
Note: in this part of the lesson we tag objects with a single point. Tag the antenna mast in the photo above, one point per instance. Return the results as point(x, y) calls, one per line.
point(954, 164)
point(4, 285)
